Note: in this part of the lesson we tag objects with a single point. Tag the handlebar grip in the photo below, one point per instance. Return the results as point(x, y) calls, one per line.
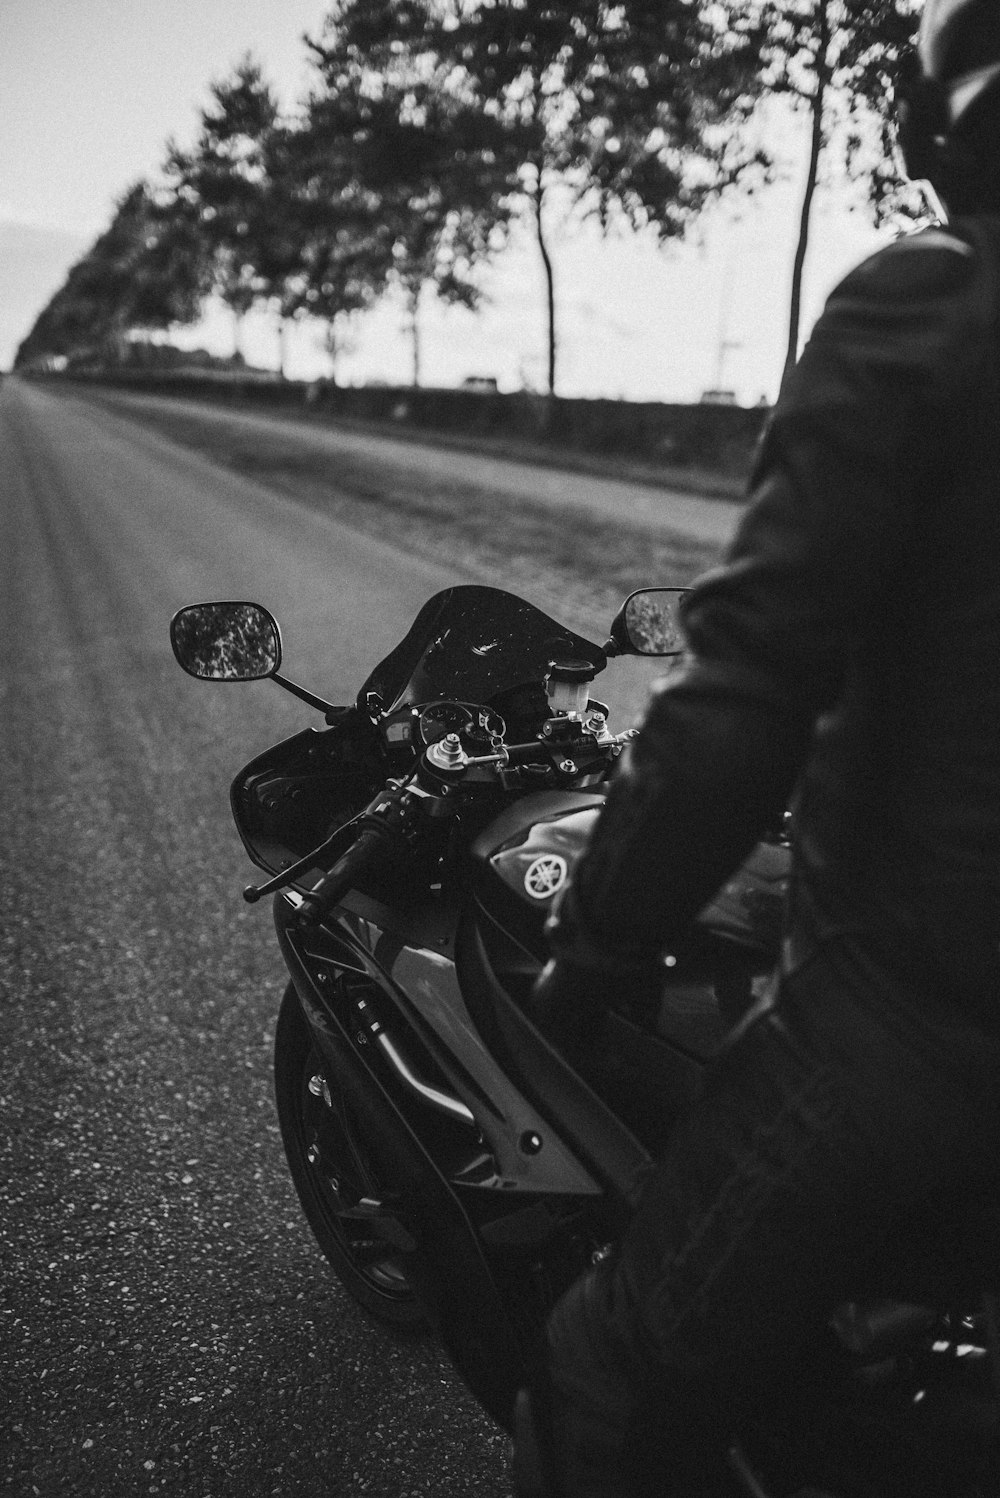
point(363, 854)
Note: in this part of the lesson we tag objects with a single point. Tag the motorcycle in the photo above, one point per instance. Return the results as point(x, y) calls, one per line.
point(456, 1169)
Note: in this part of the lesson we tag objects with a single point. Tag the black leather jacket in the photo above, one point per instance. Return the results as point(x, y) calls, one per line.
point(848, 649)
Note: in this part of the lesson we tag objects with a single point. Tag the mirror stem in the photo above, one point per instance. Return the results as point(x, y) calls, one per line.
point(296, 691)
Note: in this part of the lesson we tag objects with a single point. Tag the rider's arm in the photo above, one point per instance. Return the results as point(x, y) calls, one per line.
point(774, 630)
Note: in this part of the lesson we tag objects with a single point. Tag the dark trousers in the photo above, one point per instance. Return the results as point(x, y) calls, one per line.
point(830, 1117)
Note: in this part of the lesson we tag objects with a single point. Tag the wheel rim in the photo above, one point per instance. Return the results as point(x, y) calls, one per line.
point(341, 1175)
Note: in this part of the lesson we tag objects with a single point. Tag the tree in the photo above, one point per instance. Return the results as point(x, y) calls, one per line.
point(609, 108)
point(417, 163)
point(224, 183)
point(171, 274)
point(339, 244)
point(837, 59)
point(145, 271)
point(279, 230)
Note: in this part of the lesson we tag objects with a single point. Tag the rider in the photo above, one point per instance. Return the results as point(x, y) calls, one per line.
point(849, 650)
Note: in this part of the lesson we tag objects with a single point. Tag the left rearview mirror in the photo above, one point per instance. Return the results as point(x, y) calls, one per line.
point(226, 641)
point(648, 623)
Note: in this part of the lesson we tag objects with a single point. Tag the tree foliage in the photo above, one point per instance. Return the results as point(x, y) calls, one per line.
point(413, 154)
point(594, 106)
point(333, 227)
point(857, 46)
point(433, 125)
point(222, 182)
point(146, 271)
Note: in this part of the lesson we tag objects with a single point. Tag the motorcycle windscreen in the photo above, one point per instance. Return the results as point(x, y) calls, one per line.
point(468, 643)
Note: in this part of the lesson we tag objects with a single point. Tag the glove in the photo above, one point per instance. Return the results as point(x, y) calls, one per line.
point(582, 983)
point(567, 1006)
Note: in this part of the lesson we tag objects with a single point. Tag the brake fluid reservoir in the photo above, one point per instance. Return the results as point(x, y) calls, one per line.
point(567, 686)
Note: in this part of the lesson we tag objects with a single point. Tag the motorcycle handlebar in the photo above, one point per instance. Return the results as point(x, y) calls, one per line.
point(362, 856)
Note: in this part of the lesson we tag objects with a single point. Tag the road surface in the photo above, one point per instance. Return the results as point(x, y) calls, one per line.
point(166, 1324)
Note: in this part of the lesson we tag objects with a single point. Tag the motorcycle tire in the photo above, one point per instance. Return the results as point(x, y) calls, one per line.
point(333, 1172)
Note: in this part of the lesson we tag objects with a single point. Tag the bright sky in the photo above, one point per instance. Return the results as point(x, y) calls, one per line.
point(92, 89)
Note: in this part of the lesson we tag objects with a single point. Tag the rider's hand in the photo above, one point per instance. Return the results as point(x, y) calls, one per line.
point(582, 982)
point(567, 1004)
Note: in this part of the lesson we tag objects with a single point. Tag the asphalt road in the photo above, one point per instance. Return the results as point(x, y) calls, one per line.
point(167, 1325)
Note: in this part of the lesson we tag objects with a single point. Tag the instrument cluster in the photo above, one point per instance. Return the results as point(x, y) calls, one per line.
point(479, 724)
point(416, 728)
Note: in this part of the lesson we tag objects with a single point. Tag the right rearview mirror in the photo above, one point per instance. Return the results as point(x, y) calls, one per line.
point(648, 623)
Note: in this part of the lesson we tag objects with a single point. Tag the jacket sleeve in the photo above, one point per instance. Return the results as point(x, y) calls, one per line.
point(773, 631)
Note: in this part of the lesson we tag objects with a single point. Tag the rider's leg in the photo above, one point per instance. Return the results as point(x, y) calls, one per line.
point(820, 1121)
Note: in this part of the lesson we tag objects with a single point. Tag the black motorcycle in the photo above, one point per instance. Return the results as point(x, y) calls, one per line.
point(457, 1170)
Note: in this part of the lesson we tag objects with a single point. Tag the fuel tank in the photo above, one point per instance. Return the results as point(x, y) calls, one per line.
point(525, 857)
point(650, 1065)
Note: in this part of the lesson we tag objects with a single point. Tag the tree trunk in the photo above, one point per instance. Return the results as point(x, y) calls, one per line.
point(237, 335)
point(550, 286)
point(414, 293)
point(332, 341)
point(816, 105)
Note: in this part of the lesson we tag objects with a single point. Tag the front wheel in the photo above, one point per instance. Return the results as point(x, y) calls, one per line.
point(337, 1180)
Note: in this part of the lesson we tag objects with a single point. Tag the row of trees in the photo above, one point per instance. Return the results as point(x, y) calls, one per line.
point(433, 126)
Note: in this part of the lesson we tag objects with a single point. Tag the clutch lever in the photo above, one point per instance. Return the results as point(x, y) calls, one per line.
point(254, 892)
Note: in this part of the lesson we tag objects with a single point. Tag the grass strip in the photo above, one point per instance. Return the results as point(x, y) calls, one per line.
point(564, 558)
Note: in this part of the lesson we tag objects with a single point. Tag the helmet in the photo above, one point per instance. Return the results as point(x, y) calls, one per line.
point(957, 59)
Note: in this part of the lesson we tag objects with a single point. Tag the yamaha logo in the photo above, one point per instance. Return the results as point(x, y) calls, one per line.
point(545, 876)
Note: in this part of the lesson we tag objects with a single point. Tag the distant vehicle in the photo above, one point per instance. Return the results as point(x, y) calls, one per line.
point(485, 384)
point(718, 397)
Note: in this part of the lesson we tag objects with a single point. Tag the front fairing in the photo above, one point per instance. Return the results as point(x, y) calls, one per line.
point(407, 970)
point(288, 799)
point(470, 643)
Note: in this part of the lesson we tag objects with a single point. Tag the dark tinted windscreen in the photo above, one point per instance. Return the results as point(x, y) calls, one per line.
point(469, 643)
